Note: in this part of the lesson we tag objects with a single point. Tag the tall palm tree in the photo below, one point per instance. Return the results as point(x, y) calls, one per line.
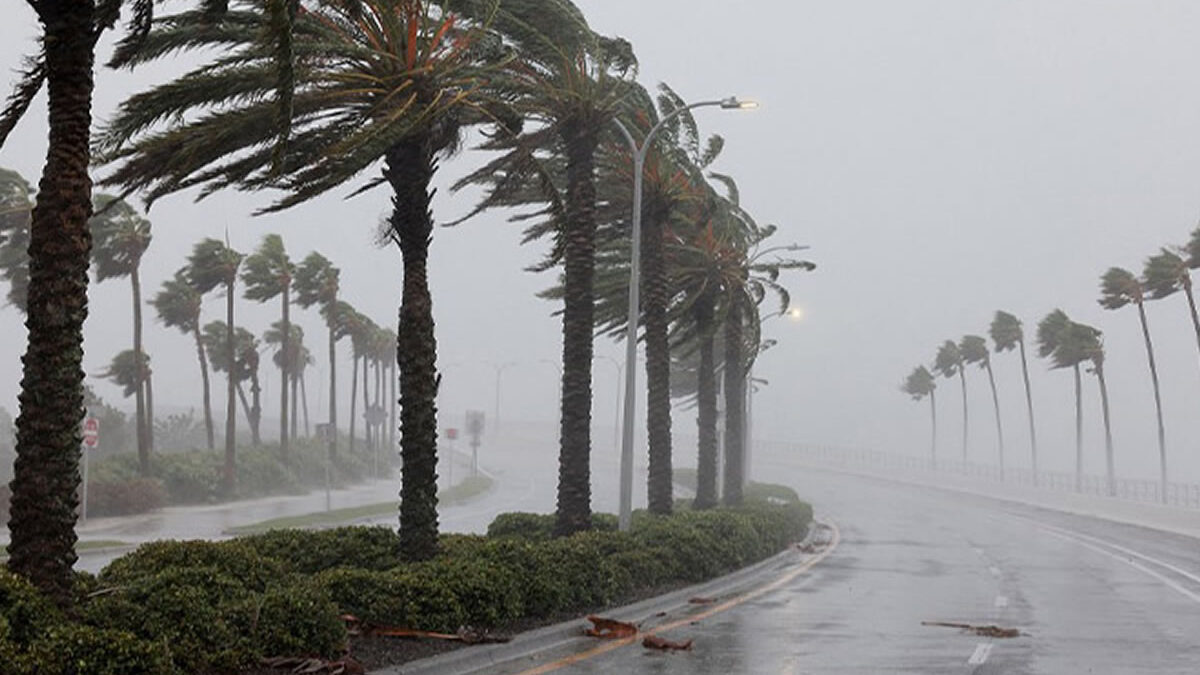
point(1066, 347)
point(974, 350)
point(919, 384)
point(213, 265)
point(267, 274)
point(570, 83)
point(52, 388)
point(1090, 340)
point(120, 237)
point(16, 212)
point(1119, 287)
point(129, 372)
point(948, 363)
point(1168, 272)
point(390, 80)
point(178, 306)
point(244, 367)
point(1007, 334)
point(317, 283)
point(288, 357)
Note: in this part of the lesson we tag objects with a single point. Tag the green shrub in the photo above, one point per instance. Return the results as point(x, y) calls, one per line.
point(125, 497)
point(74, 649)
point(200, 614)
point(375, 597)
point(308, 552)
point(487, 594)
point(26, 613)
point(540, 526)
point(296, 618)
point(233, 558)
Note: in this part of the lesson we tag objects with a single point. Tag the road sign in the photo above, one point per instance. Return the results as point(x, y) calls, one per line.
point(91, 433)
point(451, 433)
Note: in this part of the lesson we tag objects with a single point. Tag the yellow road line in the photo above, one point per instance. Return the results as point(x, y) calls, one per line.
point(608, 646)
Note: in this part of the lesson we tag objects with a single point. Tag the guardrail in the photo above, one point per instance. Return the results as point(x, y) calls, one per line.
point(1183, 495)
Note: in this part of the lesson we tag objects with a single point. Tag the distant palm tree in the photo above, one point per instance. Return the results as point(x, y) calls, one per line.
point(317, 283)
point(1007, 334)
point(120, 237)
point(245, 368)
point(289, 357)
point(1119, 287)
point(178, 306)
point(1168, 272)
point(212, 264)
point(16, 211)
point(919, 384)
point(127, 371)
point(1058, 341)
point(974, 350)
point(267, 274)
point(1090, 340)
point(948, 363)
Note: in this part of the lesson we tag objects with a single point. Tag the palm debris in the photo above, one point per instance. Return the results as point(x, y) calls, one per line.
point(655, 642)
point(991, 631)
point(609, 629)
point(466, 634)
point(311, 666)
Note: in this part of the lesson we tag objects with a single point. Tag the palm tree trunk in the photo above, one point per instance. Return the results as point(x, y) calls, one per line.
point(46, 471)
point(379, 435)
point(1187, 291)
point(962, 378)
point(996, 404)
point(208, 419)
point(735, 399)
point(229, 476)
point(1029, 405)
point(246, 409)
point(295, 405)
point(284, 374)
point(410, 166)
point(933, 428)
point(255, 409)
point(304, 404)
point(574, 512)
point(149, 384)
point(353, 398)
point(706, 395)
point(143, 432)
point(1108, 443)
point(655, 292)
point(1078, 431)
point(366, 379)
point(333, 400)
point(1162, 434)
point(392, 405)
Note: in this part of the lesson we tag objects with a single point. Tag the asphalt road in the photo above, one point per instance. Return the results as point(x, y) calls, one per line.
point(1089, 596)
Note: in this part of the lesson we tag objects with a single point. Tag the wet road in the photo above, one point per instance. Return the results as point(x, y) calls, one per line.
point(1091, 596)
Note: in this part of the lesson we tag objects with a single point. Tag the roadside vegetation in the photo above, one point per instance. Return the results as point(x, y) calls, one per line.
point(222, 607)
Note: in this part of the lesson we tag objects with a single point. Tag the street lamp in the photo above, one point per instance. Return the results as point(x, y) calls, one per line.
point(625, 513)
point(617, 405)
point(499, 371)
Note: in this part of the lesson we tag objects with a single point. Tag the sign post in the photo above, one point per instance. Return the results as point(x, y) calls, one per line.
point(91, 441)
point(327, 433)
point(451, 436)
point(475, 425)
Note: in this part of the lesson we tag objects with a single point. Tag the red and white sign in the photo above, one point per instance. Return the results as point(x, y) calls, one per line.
point(91, 433)
point(451, 433)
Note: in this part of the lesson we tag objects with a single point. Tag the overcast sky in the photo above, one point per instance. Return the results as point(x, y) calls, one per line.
point(944, 159)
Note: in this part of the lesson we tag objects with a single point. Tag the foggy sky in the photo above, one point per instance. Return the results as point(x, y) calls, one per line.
point(944, 159)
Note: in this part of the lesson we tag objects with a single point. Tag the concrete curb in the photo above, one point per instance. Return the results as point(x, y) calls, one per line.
point(477, 659)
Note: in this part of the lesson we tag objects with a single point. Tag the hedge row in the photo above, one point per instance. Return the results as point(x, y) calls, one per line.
point(194, 477)
point(217, 607)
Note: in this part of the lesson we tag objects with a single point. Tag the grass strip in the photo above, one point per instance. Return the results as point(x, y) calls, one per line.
point(469, 488)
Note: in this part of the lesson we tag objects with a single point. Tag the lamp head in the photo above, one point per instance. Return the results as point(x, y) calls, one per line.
point(734, 103)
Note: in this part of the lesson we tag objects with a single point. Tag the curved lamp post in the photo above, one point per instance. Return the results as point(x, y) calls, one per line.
point(639, 161)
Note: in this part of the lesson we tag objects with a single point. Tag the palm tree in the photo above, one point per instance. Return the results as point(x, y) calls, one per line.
point(1119, 287)
point(52, 387)
point(1066, 346)
point(391, 80)
point(245, 367)
point(178, 306)
point(1168, 272)
point(120, 237)
point(129, 372)
point(570, 83)
point(212, 265)
point(266, 275)
point(1007, 334)
point(974, 350)
point(919, 384)
point(316, 283)
point(948, 363)
point(288, 356)
point(16, 211)
point(1089, 340)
